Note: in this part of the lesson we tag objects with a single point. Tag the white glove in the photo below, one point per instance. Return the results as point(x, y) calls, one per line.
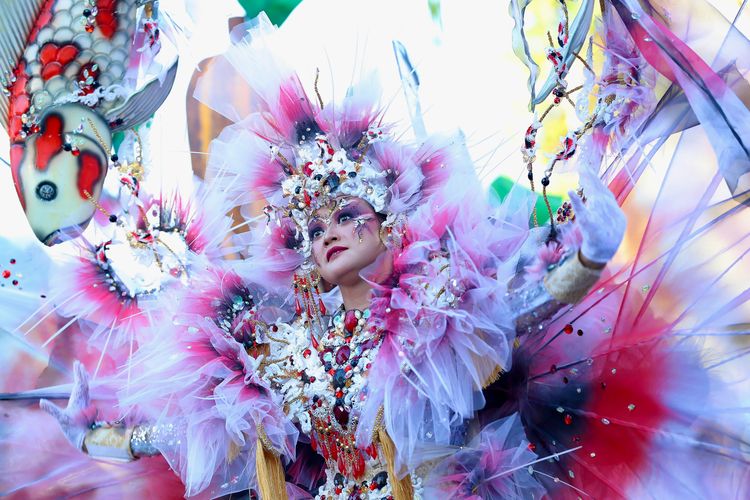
point(76, 419)
point(601, 220)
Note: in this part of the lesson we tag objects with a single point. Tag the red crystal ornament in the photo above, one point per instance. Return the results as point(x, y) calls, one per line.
point(359, 466)
point(350, 321)
point(341, 415)
point(342, 354)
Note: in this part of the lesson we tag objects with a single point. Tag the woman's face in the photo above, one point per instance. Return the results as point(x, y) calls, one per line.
point(345, 239)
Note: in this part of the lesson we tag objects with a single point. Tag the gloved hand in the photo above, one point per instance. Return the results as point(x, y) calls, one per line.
point(76, 419)
point(601, 220)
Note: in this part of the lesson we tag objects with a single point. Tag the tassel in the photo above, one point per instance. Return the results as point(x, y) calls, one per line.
point(402, 488)
point(271, 482)
point(321, 306)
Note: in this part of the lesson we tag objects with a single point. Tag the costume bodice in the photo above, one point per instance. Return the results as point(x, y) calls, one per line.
point(323, 379)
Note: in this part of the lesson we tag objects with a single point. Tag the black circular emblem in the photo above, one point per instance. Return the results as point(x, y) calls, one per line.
point(46, 191)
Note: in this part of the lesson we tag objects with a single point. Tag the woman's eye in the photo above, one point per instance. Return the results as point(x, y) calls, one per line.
point(316, 233)
point(344, 218)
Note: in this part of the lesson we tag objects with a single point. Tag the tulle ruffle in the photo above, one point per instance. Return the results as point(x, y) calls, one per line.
point(197, 378)
point(498, 463)
point(449, 328)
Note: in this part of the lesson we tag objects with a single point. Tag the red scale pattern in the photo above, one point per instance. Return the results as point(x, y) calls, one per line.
point(55, 58)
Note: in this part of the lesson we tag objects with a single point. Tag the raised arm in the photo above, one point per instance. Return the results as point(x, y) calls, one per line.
point(602, 226)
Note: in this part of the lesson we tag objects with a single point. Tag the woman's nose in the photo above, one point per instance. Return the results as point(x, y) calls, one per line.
point(330, 235)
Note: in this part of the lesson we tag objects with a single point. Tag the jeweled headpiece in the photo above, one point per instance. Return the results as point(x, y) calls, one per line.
point(298, 155)
point(322, 174)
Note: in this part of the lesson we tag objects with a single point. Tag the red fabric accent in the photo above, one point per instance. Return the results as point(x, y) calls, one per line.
point(106, 19)
point(89, 173)
point(50, 140)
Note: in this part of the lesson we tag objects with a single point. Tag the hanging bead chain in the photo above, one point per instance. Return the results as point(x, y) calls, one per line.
point(570, 141)
point(307, 287)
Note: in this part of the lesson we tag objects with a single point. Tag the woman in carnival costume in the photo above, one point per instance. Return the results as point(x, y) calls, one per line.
point(449, 361)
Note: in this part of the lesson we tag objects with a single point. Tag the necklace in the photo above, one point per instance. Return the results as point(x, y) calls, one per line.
point(346, 352)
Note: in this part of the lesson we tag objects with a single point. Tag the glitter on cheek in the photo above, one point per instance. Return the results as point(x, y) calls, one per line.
point(360, 223)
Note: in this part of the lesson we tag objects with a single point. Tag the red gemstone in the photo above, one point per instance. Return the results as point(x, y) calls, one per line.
point(6, 274)
point(568, 419)
point(321, 306)
point(12, 261)
point(297, 307)
point(311, 379)
point(532, 447)
point(341, 415)
point(342, 355)
point(89, 28)
point(306, 353)
point(568, 329)
point(350, 321)
point(76, 152)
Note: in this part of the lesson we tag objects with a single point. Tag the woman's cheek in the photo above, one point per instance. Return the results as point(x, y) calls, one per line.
point(316, 250)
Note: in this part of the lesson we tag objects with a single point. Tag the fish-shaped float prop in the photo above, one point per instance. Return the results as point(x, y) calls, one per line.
point(70, 72)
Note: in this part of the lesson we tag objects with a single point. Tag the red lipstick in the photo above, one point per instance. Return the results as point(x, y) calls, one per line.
point(334, 250)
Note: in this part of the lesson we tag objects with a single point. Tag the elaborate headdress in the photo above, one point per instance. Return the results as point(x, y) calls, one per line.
point(299, 155)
